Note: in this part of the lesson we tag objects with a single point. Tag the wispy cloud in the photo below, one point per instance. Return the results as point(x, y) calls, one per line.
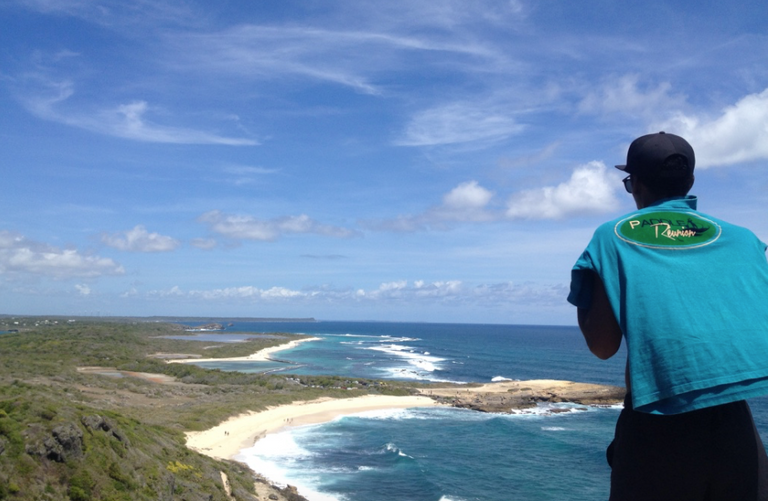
point(324, 257)
point(128, 121)
point(19, 255)
point(626, 97)
point(243, 227)
point(344, 57)
point(240, 175)
point(115, 13)
point(591, 189)
point(139, 239)
point(203, 243)
point(739, 134)
point(456, 123)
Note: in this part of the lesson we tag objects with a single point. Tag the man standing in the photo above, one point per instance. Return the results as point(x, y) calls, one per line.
point(689, 293)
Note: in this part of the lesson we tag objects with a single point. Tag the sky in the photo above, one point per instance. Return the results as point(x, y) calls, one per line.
point(407, 160)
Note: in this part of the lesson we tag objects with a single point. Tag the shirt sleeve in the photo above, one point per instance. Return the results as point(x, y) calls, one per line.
point(581, 282)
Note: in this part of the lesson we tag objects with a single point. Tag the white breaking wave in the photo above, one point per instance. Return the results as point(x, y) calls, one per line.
point(549, 410)
point(405, 373)
point(274, 457)
point(422, 361)
point(393, 339)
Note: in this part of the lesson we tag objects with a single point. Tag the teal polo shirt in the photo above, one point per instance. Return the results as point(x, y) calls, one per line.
point(690, 293)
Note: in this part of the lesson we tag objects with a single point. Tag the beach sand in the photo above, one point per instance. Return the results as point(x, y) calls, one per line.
point(239, 432)
point(259, 356)
point(532, 386)
point(228, 438)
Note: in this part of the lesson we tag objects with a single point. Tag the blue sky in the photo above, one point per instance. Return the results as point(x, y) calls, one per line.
point(353, 160)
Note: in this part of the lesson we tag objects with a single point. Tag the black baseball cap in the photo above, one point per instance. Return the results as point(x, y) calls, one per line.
point(647, 155)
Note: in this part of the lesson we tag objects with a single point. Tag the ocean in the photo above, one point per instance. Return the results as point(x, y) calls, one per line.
point(444, 454)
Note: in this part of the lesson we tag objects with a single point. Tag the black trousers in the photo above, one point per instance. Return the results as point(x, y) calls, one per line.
point(710, 454)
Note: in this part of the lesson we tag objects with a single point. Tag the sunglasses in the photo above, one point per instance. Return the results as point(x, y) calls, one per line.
point(627, 183)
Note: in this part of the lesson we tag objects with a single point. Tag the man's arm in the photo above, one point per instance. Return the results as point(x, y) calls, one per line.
point(598, 323)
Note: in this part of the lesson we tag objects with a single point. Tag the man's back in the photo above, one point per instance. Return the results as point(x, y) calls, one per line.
point(685, 287)
point(689, 293)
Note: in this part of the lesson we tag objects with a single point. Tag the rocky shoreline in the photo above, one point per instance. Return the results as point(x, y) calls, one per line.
point(512, 396)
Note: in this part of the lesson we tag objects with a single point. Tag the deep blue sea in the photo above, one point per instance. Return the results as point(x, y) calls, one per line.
point(444, 454)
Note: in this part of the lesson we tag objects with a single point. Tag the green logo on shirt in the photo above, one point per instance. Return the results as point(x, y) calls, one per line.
point(668, 230)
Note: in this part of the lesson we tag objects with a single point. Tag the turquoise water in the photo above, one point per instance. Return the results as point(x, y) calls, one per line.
point(445, 454)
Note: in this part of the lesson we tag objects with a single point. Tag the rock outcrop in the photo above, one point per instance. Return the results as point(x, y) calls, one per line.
point(98, 423)
point(207, 327)
point(64, 442)
point(510, 396)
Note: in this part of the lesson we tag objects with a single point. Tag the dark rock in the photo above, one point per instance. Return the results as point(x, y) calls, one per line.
point(292, 494)
point(98, 423)
point(95, 422)
point(64, 442)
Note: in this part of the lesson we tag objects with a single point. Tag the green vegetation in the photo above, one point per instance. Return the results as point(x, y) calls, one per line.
point(66, 434)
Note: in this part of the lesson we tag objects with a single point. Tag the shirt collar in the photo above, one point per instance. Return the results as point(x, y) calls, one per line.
point(688, 202)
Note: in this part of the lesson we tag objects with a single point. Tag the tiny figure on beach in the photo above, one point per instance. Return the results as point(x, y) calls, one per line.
point(688, 292)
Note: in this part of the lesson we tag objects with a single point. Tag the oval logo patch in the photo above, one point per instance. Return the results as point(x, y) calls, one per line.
point(668, 230)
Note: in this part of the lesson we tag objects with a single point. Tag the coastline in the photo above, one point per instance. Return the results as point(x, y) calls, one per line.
point(262, 355)
point(227, 439)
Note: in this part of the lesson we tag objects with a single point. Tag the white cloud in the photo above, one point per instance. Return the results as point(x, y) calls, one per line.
point(399, 291)
point(591, 189)
point(457, 123)
point(127, 121)
point(243, 292)
point(83, 289)
point(243, 227)
point(624, 96)
point(139, 239)
point(739, 134)
point(467, 202)
point(20, 255)
point(467, 196)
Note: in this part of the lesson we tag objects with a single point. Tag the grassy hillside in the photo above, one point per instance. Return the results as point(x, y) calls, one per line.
point(66, 434)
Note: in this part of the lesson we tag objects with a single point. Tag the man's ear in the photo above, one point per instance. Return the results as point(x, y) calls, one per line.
point(639, 193)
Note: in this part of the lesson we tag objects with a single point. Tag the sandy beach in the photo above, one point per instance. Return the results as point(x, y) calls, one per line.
point(239, 432)
point(259, 356)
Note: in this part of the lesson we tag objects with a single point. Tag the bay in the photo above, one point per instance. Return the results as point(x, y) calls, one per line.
point(445, 454)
